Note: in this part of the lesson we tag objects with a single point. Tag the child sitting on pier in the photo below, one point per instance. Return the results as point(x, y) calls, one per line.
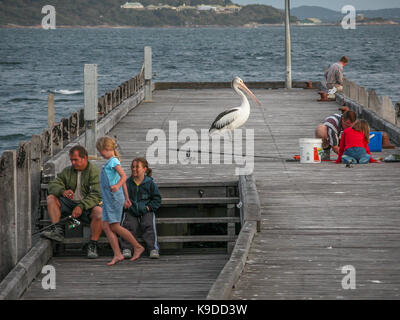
point(143, 200)
point(354, 144)
point(112, 178)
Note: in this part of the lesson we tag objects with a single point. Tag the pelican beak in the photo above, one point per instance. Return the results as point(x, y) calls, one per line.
point(251, 94)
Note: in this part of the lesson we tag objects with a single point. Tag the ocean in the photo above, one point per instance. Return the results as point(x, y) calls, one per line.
point(35, 62)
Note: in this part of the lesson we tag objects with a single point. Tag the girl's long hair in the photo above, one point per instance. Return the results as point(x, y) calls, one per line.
point(145, 164)
point(362, 126)
point(107, 143)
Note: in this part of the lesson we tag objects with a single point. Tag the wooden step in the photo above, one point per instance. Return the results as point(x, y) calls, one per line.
point(182, 220)
point(188, 201)
point(194, 189)
point(184, 184)
point(202, 238)
point(208, 200)
point(166, 239)
point(198, 220)
point(188, 183)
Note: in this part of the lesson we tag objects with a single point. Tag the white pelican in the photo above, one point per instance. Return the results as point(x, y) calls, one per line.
point(233, 118)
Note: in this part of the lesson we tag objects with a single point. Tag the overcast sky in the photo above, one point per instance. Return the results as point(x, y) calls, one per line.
point(331, 4)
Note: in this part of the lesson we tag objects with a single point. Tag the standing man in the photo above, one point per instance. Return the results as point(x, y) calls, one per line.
point(331, 130)
point(334, 74)
point(76, 192)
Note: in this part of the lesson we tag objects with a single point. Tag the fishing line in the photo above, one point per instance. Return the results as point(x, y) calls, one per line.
point(232, 154)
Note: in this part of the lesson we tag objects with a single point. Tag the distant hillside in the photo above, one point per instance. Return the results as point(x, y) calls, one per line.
point(110, 13)
point(324, 14)
point(391, 14)
point(327, 15)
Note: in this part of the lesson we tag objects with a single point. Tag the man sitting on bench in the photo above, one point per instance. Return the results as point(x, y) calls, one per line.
point(76, 192)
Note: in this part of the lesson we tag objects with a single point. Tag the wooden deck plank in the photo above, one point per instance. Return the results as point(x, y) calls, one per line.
point(170, 277)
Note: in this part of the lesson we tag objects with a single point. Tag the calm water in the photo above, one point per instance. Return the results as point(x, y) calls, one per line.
point(36, 62)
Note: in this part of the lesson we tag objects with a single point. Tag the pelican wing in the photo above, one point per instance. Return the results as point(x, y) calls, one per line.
point(224, 119)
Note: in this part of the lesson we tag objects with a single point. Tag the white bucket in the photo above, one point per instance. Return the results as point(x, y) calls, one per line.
point(310, 150)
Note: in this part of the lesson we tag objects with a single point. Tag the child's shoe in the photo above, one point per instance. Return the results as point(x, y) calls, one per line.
point(127, 253)
point(154, 254)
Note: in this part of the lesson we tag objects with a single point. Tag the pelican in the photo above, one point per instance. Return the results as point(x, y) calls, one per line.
point(234, 118)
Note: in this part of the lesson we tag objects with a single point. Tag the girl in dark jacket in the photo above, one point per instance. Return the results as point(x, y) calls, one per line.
point(144, 200)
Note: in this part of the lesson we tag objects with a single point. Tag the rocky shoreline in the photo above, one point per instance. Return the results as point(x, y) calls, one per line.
point(248, 25)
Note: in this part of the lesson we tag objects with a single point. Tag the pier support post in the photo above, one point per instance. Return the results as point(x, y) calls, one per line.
point(353, 91)
point(148, 97)
point(397, 111)
point(288, 46)
point(24, 218)
point(50, 110)
point(388, 111)
point(91, 102)
point(231, 227)
point(35, 165)
point(363, 97)
point(374, 103)
point(8, 212)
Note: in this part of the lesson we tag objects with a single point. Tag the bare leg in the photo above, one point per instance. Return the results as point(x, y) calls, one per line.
point(112, 238)
point(124, 233)
point(95, 225)
point(53, 208)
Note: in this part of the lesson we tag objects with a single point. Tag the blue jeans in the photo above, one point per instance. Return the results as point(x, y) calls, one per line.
point(356, 155)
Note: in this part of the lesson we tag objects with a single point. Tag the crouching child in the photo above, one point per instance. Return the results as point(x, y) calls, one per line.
point(140, 206)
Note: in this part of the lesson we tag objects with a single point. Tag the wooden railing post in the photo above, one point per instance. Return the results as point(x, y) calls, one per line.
point(47, 145)
point(8, 212)
point(50, 110)
point(35, 164)
point(23, 221)
point(91, 102)
point(65, 131)
point(148, 97)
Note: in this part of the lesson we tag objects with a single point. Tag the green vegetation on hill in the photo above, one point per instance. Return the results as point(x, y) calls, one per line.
point(110, 13)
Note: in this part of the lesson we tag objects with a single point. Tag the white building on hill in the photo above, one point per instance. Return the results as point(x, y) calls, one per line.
point(133, 5)
point(204, 7)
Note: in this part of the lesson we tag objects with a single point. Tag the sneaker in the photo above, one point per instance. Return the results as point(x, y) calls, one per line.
point(92, 250)
point(154, 254)
point(326, 154)
point(55, 233)
point(127, 253)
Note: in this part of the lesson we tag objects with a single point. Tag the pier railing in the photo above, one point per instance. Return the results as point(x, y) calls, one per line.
point(21, 169)
point(380, 112)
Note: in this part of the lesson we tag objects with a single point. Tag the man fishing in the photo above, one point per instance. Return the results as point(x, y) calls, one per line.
point(76, 192)
point(334, 74)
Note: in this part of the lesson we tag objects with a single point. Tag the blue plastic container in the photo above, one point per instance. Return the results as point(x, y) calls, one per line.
point(375, 143)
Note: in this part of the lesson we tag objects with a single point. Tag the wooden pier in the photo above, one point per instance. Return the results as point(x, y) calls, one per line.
point(316, 218)
point(302, 226)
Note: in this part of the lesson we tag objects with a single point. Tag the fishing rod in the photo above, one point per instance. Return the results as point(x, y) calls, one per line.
point(72, 224)
point(232, 154)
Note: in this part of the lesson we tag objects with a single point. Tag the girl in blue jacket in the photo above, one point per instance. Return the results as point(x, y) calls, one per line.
point(143, 201)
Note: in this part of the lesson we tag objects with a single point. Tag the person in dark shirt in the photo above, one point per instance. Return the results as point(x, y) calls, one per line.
point(331, 130)
point(144, 200)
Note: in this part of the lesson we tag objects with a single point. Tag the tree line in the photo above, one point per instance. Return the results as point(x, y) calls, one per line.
point(110, 13)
